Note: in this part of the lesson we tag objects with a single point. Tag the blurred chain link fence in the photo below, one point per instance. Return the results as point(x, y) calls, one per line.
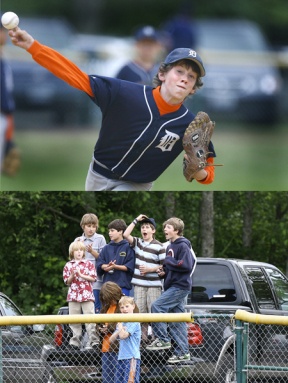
point(222, 350)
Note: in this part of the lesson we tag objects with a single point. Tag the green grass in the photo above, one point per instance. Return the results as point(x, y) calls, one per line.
point(59, 160)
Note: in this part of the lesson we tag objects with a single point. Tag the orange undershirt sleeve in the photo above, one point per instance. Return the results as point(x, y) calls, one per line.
point(67, 71)
point(210, 170)
point(61, 67)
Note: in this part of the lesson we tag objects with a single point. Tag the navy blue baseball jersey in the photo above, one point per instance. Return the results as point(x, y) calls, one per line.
point(136, 142)
point(132, 124)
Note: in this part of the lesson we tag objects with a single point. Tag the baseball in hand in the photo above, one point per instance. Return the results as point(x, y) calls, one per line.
point(10, 20)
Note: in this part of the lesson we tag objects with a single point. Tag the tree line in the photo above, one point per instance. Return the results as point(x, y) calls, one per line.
point(36, 229)
point(120, 17)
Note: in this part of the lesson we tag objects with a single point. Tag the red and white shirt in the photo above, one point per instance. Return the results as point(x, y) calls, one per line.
point(80, 289)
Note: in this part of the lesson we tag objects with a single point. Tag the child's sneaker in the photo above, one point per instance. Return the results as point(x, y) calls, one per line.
point(179, 358)
point(158, 344)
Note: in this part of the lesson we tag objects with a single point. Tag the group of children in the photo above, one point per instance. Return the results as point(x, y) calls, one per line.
point(101, 277)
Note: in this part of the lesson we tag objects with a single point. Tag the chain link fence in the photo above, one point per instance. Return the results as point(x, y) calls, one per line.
point(222, 350)
point(262, 347)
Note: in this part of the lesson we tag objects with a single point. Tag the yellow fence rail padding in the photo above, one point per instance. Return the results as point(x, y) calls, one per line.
point(97, 318)
point(261, 319)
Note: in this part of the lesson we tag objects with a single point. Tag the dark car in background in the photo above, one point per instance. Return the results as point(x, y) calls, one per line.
point(35, 88)
point(242, 79)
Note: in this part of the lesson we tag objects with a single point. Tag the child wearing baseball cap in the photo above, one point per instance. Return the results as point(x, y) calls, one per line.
point(149, 256)
point(144, 125)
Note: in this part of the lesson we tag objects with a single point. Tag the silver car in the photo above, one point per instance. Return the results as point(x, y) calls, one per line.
point(21, 348)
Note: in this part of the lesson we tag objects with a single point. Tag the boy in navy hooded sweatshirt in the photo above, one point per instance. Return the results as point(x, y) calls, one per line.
point(116, 261)
point(177, 269)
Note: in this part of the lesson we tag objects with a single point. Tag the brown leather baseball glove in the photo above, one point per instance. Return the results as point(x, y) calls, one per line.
point(195, 143)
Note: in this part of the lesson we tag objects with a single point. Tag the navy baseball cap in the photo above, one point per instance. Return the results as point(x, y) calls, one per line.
point(185, 54)
point(146, 33)
point(150, 220)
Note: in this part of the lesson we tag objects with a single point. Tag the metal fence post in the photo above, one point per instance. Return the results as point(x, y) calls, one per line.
point(239, 362)
point(245, 352)
point(1, 353)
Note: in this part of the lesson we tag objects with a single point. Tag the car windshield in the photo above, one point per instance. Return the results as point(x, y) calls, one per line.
point(222, 36)
point(8, 307)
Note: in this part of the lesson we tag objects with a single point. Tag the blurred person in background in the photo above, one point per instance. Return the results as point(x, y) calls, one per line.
point(145, 64)
point(180, 30)
point(9, 153)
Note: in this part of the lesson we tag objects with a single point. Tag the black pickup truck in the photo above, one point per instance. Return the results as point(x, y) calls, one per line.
point(220, 287)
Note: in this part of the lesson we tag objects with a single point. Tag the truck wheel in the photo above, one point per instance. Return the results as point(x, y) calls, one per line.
point(226, 372)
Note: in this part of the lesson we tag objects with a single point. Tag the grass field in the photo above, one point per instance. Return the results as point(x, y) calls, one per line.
point(58, 160)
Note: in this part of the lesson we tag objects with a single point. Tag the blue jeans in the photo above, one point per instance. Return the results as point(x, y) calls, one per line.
point(127, 368)
point(109, 363)
point(97, 303)
point(126, 291)
point(171, 301)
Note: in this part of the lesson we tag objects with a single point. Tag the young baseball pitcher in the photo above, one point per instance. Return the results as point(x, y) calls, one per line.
point(142, 127)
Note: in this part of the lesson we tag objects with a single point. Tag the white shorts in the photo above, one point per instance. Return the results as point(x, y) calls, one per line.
point(96, 182)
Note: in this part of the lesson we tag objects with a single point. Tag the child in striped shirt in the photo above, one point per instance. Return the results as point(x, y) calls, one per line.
point(149, 255)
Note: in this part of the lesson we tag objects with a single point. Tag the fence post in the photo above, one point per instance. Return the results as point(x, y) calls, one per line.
point(245, 352)
point(1, 353)
point(239, 362)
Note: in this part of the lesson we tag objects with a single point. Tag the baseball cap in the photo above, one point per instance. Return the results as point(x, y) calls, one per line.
point(146, 32)
point(185, 54)
point(150, 220)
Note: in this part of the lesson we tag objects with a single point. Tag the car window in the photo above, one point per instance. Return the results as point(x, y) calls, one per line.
point(261, 288)
point(212, 283)
point(8, 307)
point(280, 284)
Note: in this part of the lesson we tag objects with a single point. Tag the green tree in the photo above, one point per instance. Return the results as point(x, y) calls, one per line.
point(120, 17)
point(36, 229)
